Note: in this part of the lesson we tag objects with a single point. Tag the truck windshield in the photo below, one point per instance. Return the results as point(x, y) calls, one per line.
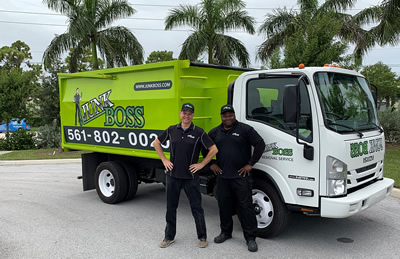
point(346, 101)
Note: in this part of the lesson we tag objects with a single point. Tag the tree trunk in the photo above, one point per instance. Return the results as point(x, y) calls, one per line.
point(387, 98)
point(210, 54)
point(95, 62)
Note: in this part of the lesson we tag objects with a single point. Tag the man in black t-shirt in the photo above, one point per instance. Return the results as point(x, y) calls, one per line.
point(233, 169)
point(186, 141)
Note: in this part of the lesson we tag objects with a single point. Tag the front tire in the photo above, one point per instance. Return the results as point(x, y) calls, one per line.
point(111, 182)
point(271, 212)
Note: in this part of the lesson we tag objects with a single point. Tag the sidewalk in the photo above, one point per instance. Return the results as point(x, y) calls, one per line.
point(39, 162)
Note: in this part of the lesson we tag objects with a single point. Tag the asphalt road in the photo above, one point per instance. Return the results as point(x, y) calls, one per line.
point(45, 214)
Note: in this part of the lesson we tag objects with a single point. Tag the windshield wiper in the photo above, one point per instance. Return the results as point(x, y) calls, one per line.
point(347, 127)
point(376, 125)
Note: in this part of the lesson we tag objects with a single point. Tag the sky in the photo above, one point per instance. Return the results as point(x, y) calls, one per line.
point(33, 23)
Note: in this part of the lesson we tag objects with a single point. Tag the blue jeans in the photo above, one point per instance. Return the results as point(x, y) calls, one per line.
point(192, 190)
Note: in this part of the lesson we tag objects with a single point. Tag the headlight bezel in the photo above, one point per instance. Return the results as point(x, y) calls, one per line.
point(336, 177)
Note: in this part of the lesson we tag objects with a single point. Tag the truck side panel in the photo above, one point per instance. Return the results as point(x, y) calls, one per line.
point(122, 110)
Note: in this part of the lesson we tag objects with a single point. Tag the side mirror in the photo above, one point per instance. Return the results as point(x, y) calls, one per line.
point(289, 104)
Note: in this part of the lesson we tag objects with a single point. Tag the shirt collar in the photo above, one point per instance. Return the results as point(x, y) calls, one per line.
point(234, 127)
point(191, 127)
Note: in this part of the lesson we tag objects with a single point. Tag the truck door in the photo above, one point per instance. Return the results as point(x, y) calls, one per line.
point(262, 107)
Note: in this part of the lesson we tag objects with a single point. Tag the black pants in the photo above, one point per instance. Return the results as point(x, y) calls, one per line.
point(192, 190)
point(78, 114)
point(236, 193)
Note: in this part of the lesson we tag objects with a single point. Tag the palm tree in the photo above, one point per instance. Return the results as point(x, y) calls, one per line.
point(283, 26)
point(88, 28)
point(387, 29)
point(210, 20)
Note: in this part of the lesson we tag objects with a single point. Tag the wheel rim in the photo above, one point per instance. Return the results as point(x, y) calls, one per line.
point(106, 183)
point(263, 207)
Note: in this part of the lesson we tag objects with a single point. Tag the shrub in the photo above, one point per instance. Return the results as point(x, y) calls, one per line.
point(48, 136)
point(18, 140)
point(390, 121)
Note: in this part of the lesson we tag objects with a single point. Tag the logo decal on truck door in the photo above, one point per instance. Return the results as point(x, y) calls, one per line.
point(281, 154)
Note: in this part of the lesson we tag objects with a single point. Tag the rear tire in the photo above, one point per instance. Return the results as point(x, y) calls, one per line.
point(271, 212)
point(132, 181)
point(111, 182)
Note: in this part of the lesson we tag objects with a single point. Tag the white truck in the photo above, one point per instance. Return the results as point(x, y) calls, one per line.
point(324, 147)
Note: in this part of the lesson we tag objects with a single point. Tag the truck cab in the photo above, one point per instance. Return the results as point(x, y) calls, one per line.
point(324, 150)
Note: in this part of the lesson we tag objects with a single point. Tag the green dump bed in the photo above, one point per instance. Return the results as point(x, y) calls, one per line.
point(122, 110)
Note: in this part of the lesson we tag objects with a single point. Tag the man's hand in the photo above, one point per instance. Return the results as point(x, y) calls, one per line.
point(245, 170)
point(195, 167)
point(216, 169)
point(168, 164)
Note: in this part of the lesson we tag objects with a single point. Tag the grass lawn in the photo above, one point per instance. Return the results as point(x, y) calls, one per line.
point(52, 153)
point(392, 163)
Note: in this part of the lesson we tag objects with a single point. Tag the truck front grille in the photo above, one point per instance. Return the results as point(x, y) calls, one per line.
point(363, 175)
point(365, 168)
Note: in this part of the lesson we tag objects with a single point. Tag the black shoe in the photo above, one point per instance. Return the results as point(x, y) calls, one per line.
point(252, 246)
point(222, 238)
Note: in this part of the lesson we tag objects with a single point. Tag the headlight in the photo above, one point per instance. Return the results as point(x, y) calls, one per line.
point(336, 177)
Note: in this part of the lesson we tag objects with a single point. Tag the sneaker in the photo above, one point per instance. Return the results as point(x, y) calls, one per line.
point(203, 243)
point(222, 238)
point(252, 246)
point(165, 243)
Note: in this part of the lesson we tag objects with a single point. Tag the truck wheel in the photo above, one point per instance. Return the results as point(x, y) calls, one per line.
point(271, 212)
point(132, 181)
point(111, 182)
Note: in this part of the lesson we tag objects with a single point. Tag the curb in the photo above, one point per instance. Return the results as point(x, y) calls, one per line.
point(39, 162)
point(395, 193)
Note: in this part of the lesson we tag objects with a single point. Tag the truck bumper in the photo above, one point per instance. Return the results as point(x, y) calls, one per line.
point(356, 201)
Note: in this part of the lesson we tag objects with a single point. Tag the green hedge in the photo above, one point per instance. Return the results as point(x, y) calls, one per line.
point(18, 140)
point(390, 121)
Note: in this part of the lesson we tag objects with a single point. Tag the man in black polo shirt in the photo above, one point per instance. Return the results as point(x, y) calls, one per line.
point(233, 169)
point(186, 142)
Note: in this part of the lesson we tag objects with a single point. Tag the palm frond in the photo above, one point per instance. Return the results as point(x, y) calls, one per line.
point(336, 5)
point(368, 15)
point(184, 14)
point(78, 50)
point(278, 21)
point(119, 46)
point(194, 45)
point(81, 25)
point(239, 19)
point(108, 12)
point(220, 50)
point(62, 6)
point(388, 30)
point(237, 51)
point(308, 7)
point(267, 48)
point(230, 5)
point(60, 44)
